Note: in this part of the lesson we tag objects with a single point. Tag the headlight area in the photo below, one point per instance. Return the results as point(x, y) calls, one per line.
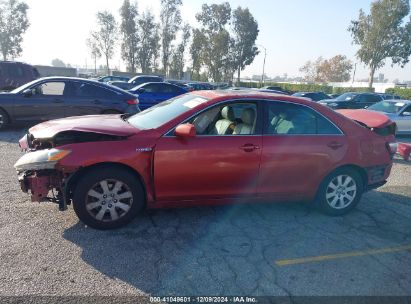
point(40, 160)
point(37, 175)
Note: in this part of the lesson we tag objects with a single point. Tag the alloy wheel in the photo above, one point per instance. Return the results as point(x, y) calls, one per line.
point(109, 200)
point(341, 191)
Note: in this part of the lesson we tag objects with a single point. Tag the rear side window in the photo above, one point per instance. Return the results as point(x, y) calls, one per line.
point(88, 90)
point(16, 71)
point(293, 119)
point(36, 73)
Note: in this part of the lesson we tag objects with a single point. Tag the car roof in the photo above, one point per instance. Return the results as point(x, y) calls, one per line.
point(249, 94)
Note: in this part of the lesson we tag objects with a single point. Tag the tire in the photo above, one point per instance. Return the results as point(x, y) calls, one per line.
point(340, 192)
point(4, 119)
point(108, 198)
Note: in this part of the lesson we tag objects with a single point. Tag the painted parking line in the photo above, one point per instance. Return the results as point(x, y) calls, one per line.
point(344, 255)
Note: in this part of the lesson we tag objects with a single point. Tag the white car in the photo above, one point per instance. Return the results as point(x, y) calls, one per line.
point(398, 111)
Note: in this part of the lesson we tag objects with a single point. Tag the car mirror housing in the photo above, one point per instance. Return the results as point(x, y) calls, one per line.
point(28, 92)
point(185, 130)
point(141, 90)
point(406, 113)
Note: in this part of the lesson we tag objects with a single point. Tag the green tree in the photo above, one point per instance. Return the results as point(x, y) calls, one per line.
point(94, 51)
point(335, 69)
point(196, 52)
point(170, 23)
point(147, 50)
point(311, 70)
point(105, 37)
point(245, 29)
point(13, 24)
point(216, 40)
point(177, 62)
point(382, 35)
point(130, 38)
point(58, 63)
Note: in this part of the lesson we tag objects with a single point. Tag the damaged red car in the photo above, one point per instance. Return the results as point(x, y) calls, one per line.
point(207, 147)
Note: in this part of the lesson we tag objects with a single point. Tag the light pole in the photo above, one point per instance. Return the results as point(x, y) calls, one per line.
point(265, 55)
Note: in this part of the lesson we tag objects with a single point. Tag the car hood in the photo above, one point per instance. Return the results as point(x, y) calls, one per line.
point(100, 124)
point(372, 119)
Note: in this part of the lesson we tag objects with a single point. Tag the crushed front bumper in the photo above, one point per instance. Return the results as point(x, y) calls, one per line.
point(40, 183)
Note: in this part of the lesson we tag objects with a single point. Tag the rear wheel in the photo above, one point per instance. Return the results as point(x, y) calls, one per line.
point(4, 119)
point(108, 198)
point(340, 192)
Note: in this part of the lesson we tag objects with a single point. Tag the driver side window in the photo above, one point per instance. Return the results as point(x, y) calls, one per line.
point(228, 119)
point(50, 88)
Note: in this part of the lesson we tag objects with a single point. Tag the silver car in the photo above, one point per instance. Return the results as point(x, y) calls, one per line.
point(398, 111)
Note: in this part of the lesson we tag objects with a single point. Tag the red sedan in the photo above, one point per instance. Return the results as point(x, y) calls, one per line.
point(207, 147)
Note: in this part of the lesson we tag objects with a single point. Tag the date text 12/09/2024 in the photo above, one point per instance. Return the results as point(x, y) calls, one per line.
point(203, 299)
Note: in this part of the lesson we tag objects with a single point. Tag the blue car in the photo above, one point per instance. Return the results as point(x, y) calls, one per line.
point(152, 93)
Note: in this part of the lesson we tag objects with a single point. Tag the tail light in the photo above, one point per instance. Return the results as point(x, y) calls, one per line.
point(132, 102)
point(392, 147)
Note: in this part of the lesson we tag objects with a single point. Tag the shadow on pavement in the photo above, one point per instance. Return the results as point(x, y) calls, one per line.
point(230, 250)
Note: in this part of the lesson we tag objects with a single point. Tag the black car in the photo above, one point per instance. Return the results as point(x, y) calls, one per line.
point(277, 88)
point(314, 96)
point(352, 100)
point(56, 97)
point(136, 81)
point(107, 79)
point(14, 74)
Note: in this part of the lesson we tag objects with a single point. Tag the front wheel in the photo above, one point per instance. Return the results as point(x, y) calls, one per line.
point(108, 198)
point(340, 192)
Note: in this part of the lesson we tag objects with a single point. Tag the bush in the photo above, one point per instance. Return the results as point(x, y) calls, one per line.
point(402, 92)
point(341, 90)
point(291, 86)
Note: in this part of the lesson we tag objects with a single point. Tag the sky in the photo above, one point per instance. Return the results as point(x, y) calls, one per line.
point(292, 32)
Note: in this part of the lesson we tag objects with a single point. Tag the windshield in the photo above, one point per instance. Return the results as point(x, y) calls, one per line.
point(387, 107)
point(162, 113)
point(23, 87)
point(346, 96)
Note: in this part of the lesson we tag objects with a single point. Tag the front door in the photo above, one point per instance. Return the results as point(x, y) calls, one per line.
point(222, 161)
point(46, 102)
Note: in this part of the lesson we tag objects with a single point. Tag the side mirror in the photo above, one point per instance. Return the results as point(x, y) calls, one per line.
point(185, 131)
point(366, 107)
point(406, 113)
point(141, 90)
point(28, 92)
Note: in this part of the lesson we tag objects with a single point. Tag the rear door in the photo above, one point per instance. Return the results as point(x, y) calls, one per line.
point(211, 165)
point(89, 99)
point(300, 147)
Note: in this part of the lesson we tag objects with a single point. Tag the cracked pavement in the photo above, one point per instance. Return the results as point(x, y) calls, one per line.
point(228, 250)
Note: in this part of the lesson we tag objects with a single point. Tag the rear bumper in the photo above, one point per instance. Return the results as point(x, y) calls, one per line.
point(377, 176)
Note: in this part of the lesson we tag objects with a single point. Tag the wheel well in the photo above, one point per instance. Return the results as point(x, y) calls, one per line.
point(358, 169)
point(7, 114)
point(73, 179)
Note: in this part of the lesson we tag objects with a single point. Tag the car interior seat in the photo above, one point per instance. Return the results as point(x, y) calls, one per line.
point(222, 126)
point(248, 122)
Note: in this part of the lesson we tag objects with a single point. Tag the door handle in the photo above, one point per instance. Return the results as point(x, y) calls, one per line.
point(96, 101)
point(57, 100)
point(335, 145)
point(249, 147)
